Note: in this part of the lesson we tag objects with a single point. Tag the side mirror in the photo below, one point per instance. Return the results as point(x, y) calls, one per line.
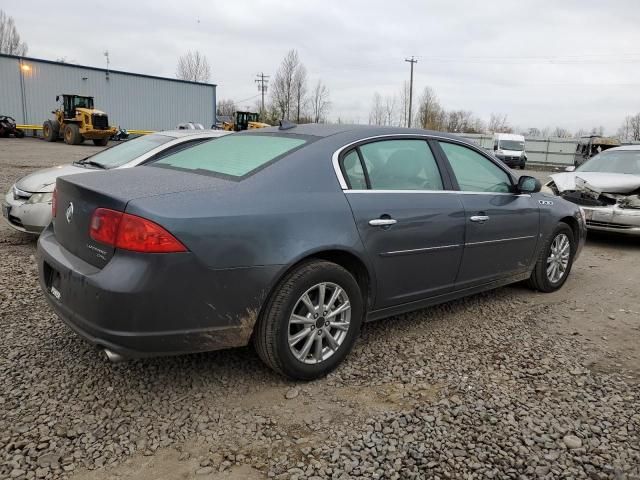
point(57, 98)
point(527, 184)
point(570, 169)
point(495, 147)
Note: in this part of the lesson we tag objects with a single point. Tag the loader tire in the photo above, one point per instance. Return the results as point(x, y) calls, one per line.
point(72, 135)
point(50, 130)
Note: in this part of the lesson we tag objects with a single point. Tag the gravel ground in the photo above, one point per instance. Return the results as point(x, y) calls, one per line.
point(508, 384)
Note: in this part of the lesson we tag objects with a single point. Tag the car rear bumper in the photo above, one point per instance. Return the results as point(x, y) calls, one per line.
point(142, 305)
point(26, 217)
point(613, 219)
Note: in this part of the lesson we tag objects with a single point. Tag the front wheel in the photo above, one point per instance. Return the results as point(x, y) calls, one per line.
point(100, 142)
point(311, 321)
point(555, 260)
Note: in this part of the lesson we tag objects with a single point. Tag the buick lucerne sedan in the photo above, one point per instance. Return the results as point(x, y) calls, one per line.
point(290, 238)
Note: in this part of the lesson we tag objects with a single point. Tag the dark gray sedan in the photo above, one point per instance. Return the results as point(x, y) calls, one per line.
point(291, 238)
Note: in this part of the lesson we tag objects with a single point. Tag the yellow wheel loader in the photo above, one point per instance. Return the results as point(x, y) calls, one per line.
point(76, 121)
point(244, 121)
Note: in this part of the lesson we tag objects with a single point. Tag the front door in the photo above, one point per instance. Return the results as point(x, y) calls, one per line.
point(502, 227)
point(412, 230)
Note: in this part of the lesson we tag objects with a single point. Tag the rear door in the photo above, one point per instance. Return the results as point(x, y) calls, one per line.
point(501, 226)
point(412, 229)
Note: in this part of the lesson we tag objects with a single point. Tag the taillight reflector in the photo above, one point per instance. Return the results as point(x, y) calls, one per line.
point(130, 232)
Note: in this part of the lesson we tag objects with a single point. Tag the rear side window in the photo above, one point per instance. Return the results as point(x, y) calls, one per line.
point(474, 172)
point(353, 171)
point(231, 155)
point(401, 165)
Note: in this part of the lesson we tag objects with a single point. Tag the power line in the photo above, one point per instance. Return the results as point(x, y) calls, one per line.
point(411, 61)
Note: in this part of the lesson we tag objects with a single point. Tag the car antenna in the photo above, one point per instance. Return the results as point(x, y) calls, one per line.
point(286, 125)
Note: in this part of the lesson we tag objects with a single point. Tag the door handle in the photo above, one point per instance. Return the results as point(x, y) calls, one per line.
point(382, 222)
point(479, 218)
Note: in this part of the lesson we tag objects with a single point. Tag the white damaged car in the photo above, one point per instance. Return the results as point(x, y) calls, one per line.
point(607, 187)
point(27, 205)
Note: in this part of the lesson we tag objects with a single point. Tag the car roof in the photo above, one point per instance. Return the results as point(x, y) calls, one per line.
point(324, 130)
point(191, 131)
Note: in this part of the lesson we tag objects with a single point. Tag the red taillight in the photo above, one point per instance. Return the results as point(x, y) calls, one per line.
point(131, 232)
point(54, 202)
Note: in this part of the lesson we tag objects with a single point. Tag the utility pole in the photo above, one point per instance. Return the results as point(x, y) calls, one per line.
point(411, 61)
point(262, 82)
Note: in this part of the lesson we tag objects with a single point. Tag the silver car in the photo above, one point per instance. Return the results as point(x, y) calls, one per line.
point(607, 187)
point(27, 205)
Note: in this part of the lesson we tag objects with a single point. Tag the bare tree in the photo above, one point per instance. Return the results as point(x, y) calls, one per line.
point(390, 103)
point(226, 107)
point(404, 104)
point(634, 124)
point(597, 130)
point(561, 132)
point(193, 66)
point(300, 89)
point(377, 113)
point(430, 113)
point(10, 38)
point(498, 124)
point(534, 132)
point(283, 92)
point(320, 102)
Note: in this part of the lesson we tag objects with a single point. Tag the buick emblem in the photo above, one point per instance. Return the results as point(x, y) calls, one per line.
point(69, 212)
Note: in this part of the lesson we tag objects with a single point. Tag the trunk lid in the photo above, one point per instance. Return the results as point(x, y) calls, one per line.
point(78, 196)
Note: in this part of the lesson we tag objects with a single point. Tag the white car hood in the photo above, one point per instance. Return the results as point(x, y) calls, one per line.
point(599, 181)
point(45, 180)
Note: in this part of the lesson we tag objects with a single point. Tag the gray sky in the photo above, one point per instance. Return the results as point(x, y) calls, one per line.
point(569, 63)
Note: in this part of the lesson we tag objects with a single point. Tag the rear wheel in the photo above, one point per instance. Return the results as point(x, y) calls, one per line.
point(72, 134)
point(311, 321)
point(100, 142)
point(50, 130)
point(555, 260)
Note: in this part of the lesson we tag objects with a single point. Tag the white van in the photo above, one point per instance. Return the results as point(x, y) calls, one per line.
point(509, 148)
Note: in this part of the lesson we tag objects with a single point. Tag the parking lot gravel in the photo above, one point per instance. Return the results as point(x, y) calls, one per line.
point(507, 384)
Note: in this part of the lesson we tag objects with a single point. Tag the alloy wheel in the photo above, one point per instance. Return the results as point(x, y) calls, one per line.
point(319, 323)
point(558, 259)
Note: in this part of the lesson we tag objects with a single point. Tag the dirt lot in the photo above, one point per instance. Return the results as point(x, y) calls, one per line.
point(508, 384)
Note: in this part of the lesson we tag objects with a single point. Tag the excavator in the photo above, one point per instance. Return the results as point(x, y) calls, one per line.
point(244, 121)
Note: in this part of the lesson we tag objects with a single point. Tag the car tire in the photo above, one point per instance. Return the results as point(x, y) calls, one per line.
point(50, 130)
point(100, 142)
point(561, 242)
point(72, 134)
point(287, 316)
point(19, 133)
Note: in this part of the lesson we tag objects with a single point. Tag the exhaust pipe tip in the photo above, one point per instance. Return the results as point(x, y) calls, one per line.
point(112, 356)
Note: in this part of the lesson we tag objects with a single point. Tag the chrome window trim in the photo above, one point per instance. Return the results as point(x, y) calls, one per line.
point(335, 160)
point(459, 192)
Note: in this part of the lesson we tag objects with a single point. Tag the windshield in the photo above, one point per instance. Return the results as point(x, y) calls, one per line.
point(613, 161)
point(232, 155)
point(516, 145)
point(125, 152)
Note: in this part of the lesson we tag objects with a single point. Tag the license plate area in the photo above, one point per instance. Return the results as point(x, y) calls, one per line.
point(52, 281)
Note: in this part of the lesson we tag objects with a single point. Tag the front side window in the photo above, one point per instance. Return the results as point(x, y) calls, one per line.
point(231, 155)
point(401, 165)
point(514, 145)
point(474, 172)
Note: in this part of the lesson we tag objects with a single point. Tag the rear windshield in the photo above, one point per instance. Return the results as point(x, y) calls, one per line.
point(232, 155)
point(130, 150)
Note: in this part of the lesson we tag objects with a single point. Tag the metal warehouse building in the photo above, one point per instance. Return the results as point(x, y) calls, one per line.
point(28, 89)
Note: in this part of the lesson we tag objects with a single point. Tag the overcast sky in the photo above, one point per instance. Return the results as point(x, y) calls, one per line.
point(569, 63)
